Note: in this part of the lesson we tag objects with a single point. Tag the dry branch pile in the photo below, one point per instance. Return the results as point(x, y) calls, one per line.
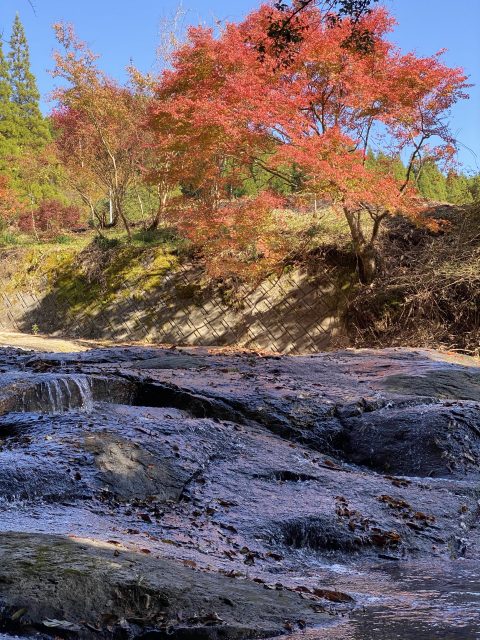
point(429, 291)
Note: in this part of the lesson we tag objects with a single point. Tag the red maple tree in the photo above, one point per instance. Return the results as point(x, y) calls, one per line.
point(222, 110)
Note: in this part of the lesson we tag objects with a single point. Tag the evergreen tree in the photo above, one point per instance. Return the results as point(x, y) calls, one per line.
point(386, 163)
point(474, 187)
point(32, 129)
point(5, 87)
point(7, 125)
point(457, 189)
point(370, 159)
point(431, 182)
point(398, 169)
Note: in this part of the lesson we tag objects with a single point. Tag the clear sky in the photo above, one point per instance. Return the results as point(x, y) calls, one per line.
point(121, 30)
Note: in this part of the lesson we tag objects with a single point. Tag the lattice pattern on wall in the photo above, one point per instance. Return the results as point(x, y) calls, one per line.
point(294, 313)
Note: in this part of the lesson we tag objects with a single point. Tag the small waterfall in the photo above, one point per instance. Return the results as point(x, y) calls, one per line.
point(57, 394)
point(85, 391)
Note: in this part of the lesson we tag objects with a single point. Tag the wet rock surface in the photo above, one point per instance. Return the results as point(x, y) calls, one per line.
point(194, 493)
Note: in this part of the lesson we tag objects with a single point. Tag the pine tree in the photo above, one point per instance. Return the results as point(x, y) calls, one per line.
point(370, 159)
point(32, 129)
point(432, 182)
point(398, 169)
point(386, 163)
point(474, 187)
point(457, 189)
point(7, 124)
point(5, 88)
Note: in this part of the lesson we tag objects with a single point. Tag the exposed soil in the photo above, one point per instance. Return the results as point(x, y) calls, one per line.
point(193, 494)
point(41, 343)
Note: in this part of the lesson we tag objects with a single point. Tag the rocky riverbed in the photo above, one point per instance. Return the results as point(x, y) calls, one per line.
point(201, 494)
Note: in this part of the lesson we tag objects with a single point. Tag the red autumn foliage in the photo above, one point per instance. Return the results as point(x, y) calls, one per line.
point(49, 219)
point(3, 189)
point(238, 237)
point(98, 124)
point(222, 110)
point(9, 204)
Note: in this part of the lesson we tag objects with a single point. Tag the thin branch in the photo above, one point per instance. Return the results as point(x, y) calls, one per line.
point(303, 5)
point(30, 2)
point(413, 157)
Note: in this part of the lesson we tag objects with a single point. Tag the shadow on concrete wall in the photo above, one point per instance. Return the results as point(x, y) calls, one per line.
point(297, 312)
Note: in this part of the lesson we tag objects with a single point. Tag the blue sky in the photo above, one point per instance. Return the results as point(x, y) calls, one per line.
point(121, 30)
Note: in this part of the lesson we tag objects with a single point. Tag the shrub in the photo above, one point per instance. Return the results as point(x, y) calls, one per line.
point(50, 218)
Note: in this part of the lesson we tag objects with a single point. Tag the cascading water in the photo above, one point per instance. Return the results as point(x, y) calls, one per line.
point(57, 394)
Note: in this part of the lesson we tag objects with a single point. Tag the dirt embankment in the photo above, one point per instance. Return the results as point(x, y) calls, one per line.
point(147, 294)
point(426, 294)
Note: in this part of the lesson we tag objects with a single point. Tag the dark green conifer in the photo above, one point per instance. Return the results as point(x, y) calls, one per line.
point(7, 124)
point(474, 187)
point(457, 189)
point(32, 129)
point(431, 182)
point(5, 87)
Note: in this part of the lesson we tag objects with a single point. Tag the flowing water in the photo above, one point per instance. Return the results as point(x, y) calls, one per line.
point(427, 602)
point(430, 602)
point(395, 600)
point(59, 393)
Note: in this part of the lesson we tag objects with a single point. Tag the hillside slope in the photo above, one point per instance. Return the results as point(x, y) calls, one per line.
point(427, 294)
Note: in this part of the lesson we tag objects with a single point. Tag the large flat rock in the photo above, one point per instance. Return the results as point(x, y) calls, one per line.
point(195, 493)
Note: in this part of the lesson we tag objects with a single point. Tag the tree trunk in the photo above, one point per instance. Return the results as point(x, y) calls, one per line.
point(140, 202)
point(119, 213)
point(367, 264)
point(110, 210)
point(34, 225)
point(160, 212)
point(365, 251)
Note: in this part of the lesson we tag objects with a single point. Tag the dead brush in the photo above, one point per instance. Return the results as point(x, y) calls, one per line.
point(428, 294)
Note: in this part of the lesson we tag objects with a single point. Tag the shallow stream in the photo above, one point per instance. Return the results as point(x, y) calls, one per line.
point(60, 422)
